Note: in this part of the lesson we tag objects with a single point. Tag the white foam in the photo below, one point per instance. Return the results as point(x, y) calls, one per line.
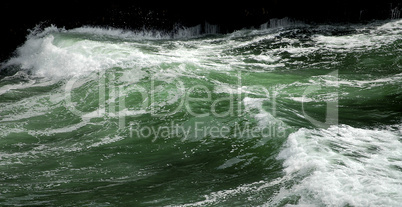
point(106, 140)
point(22, 85)
point(393, 27)
point(331, 81)
point(249, 191)
point(45, 59)
point(256, 39)
point(61, 53)
point(27, 108)
point(7, 88)
point(65, 129)
point(50, 52)
point(54, 54)
point(395, 79)
point(374, 38)
point(265, 58)
point(344, 166)
point(263, 117)
point(348, 42)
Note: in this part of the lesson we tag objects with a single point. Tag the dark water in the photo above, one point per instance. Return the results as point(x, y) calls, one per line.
point(297, 115)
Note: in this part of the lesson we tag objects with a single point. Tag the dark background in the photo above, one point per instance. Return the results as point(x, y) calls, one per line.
point(16, 18)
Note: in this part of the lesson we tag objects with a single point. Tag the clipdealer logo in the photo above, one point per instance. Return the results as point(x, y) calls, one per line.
point(112, 103)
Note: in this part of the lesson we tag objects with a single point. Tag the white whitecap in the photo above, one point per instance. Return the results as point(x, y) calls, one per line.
point(344, 165)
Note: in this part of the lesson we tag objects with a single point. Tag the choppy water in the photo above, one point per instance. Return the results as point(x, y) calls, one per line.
point(299, 115)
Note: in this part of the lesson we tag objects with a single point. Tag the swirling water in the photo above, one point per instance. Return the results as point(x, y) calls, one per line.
point(305, 115)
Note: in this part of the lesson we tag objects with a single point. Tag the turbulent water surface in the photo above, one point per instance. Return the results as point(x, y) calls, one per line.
point(298, 115)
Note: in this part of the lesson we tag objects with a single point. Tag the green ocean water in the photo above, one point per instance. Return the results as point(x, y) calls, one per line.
point(298, 115)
